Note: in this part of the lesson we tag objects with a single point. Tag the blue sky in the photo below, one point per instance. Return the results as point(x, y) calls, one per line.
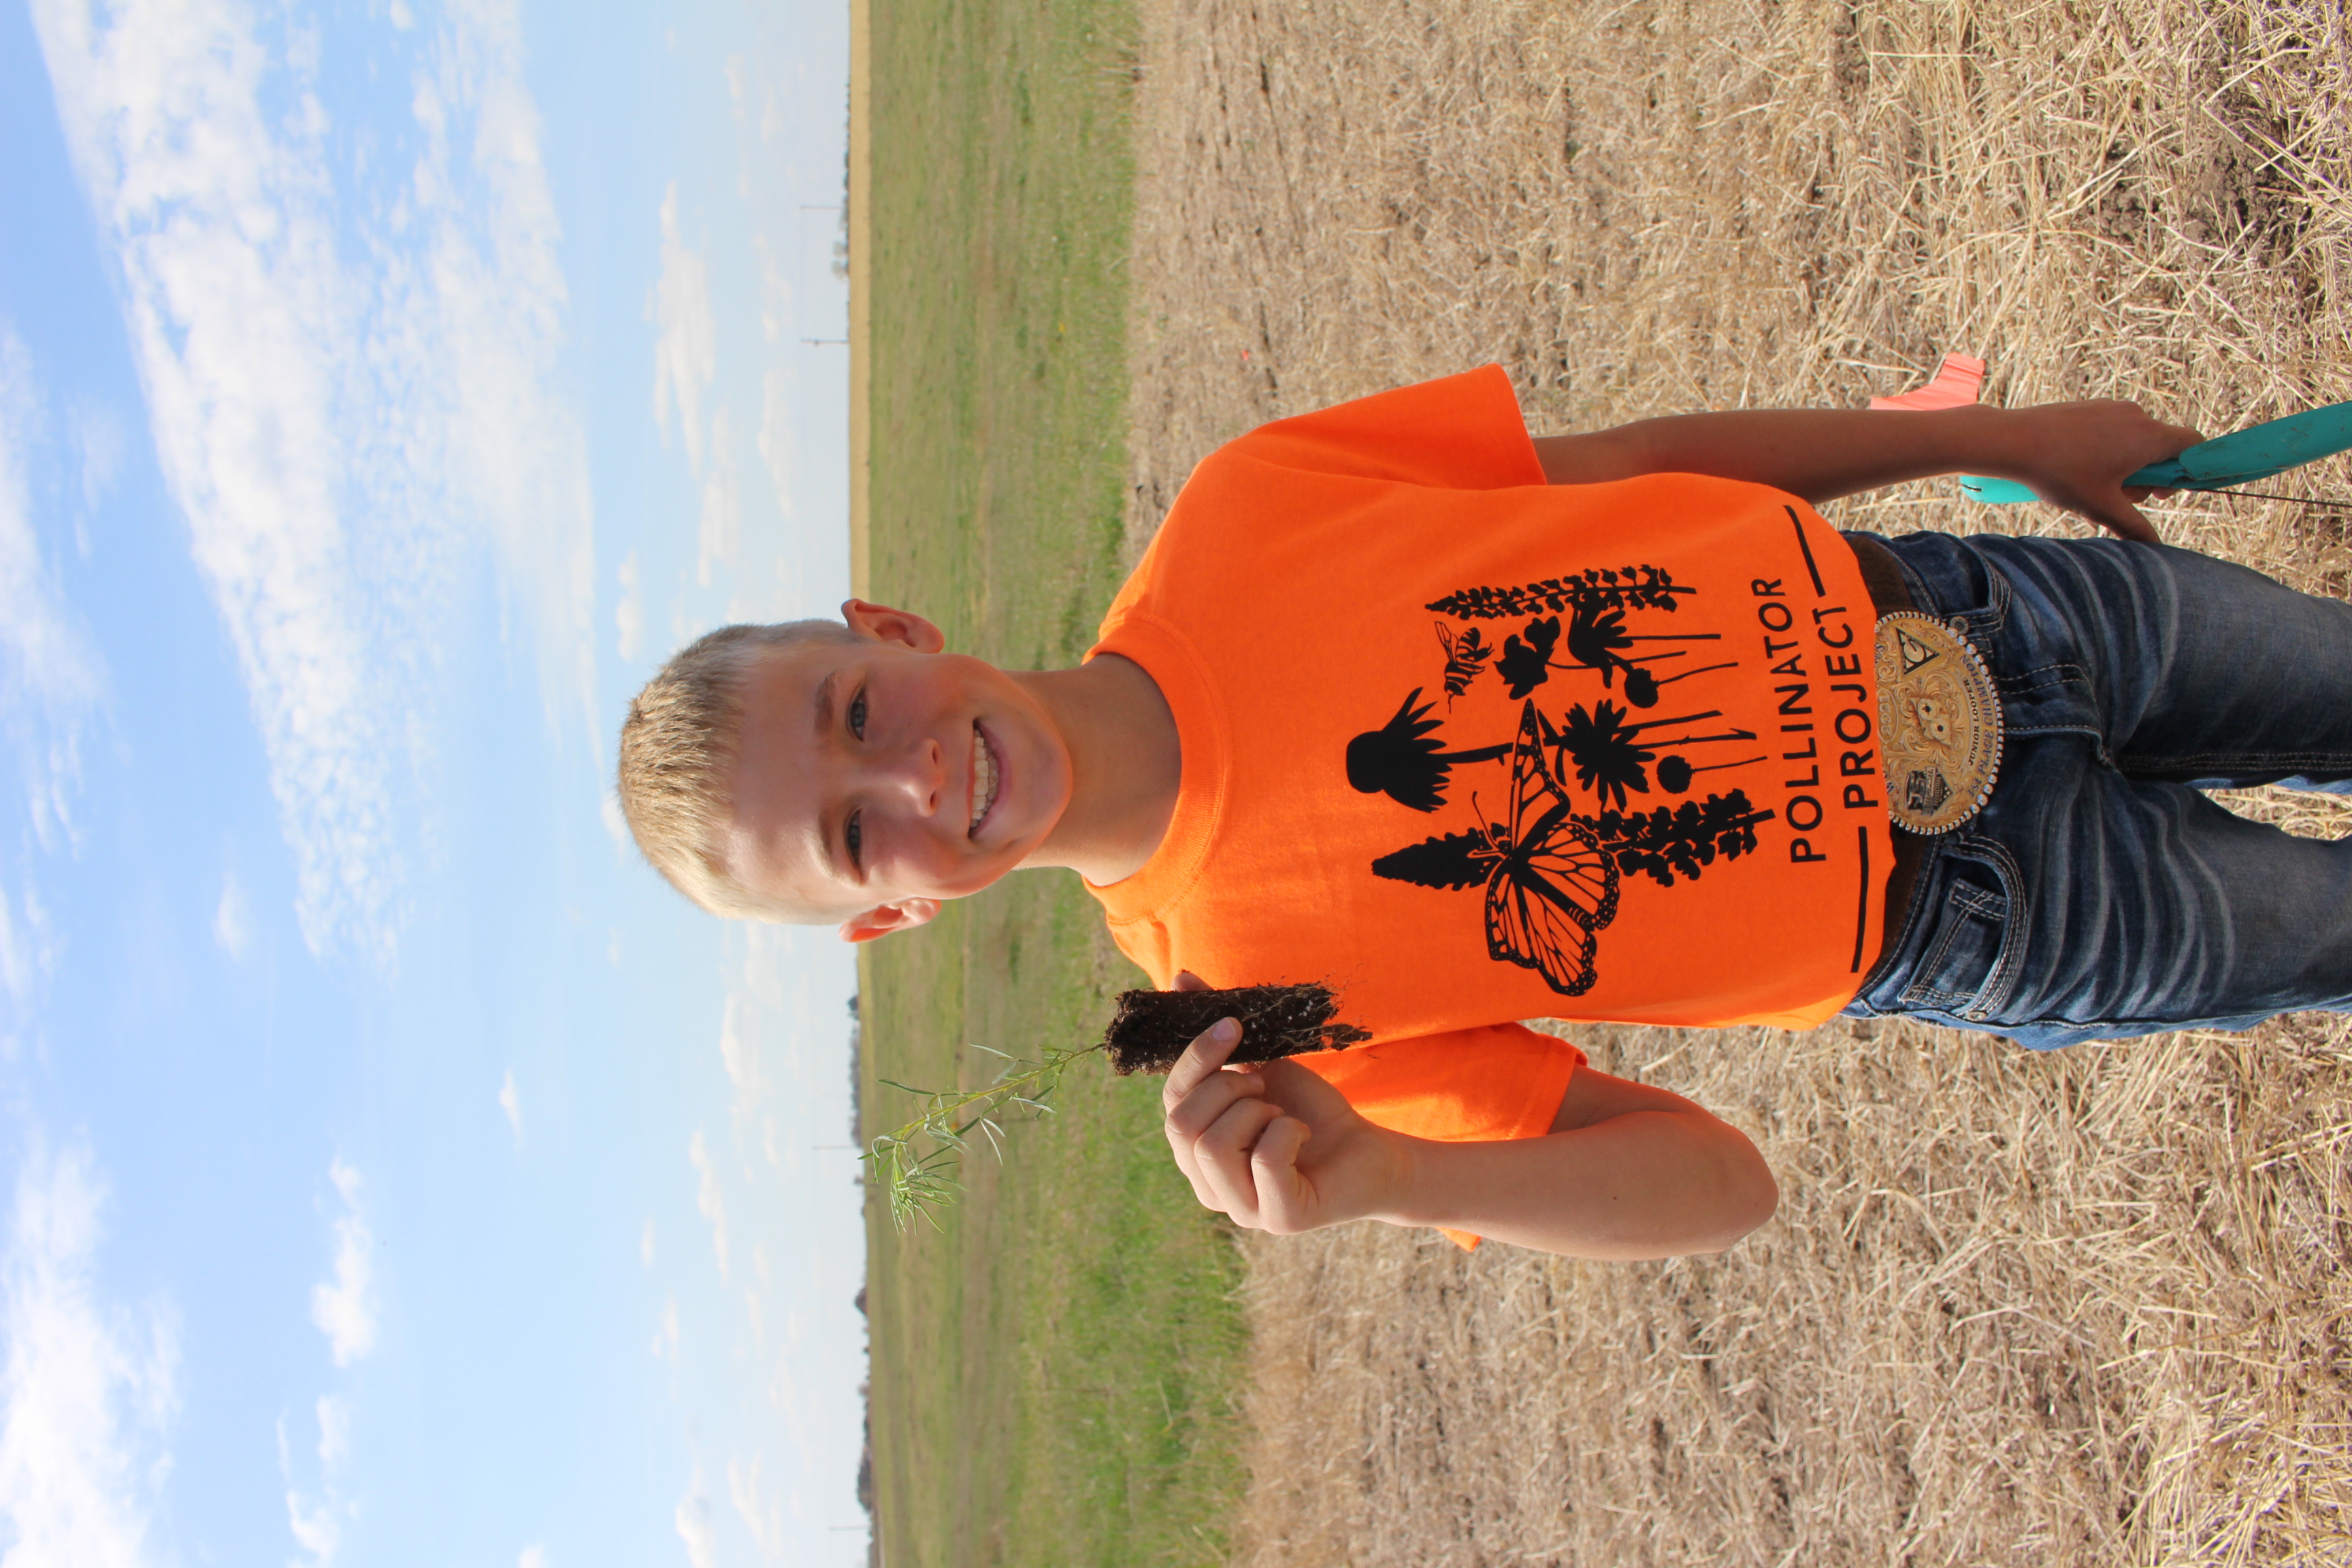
point(391, 1170)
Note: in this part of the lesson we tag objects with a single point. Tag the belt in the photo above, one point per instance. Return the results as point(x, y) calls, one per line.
point(1884, 577)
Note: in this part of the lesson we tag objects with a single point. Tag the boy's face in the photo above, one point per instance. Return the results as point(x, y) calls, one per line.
point(883, 775)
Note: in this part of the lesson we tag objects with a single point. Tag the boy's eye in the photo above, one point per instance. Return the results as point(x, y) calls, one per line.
point(857, 714)
point(853, 834)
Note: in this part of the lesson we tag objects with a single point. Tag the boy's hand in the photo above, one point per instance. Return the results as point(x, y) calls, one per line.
point(1272, 1145)
point(2077, 455)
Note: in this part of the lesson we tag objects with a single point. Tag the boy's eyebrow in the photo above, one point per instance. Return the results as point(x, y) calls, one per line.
point(825, 703)
point(828, 842)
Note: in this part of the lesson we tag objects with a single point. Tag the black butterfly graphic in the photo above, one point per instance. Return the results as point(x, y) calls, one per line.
point(1551, 886)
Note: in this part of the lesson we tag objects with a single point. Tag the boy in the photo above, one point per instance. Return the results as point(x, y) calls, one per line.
point(1478, 728)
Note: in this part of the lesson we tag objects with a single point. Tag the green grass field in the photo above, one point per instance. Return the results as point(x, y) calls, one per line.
point(1053, 1367)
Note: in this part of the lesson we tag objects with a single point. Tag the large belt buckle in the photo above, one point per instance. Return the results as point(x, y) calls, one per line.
point(1938, 723)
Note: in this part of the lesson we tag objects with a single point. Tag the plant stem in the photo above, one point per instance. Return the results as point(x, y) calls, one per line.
point(919, 1179)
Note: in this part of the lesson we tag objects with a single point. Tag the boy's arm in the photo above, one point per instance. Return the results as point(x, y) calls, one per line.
point(2075, 455)
point(1628, 1170)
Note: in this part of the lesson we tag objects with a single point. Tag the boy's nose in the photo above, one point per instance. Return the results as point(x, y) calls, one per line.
point(921, 775)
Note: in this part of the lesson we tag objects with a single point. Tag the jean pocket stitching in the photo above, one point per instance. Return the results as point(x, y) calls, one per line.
point(2011, 962)
point(1965, 902)
point(2007, 910)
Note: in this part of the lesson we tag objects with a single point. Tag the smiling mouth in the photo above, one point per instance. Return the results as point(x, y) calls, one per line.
point(986, 774)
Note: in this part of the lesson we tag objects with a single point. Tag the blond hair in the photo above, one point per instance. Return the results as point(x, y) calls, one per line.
point(678, 747)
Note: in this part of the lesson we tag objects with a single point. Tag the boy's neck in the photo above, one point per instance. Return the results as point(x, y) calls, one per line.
point(1126, 765)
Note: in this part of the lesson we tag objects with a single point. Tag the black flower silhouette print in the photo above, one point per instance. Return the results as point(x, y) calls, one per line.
point(1550, 888)
point(1526, 663)
point(1611, 759)
point(1551, 874)
point(1618, 588)
point(1680, 840)
point(1403, 761)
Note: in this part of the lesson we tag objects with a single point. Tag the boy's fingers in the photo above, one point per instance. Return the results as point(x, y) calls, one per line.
point(1186, 981)
point(1191, 1117)
point(2127, 522)
point(1225, 1152)
point(1203, 1056)
point(1274, 1168)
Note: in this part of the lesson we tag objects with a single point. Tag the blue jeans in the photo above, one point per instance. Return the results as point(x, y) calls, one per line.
point(2098, 894)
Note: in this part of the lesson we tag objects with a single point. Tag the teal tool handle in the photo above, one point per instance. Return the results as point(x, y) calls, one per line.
point(2168, 475)
point(1994, 492)
point(2238, 459)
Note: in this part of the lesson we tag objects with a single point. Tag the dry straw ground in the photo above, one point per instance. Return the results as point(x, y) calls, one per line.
point(2089, 1307)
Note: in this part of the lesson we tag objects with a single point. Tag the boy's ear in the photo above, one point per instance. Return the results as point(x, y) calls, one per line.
point(904, 915)
point(886, 625)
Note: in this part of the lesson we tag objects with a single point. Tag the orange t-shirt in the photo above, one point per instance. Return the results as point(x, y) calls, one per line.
point(1471, 748)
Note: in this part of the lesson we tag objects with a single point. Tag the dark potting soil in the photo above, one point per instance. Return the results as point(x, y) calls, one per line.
point(1153, 1027)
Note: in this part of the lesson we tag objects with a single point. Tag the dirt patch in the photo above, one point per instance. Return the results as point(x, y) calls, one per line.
point(2087, 1307)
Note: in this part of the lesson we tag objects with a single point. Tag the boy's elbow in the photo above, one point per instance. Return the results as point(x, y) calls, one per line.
point(1751, 1198)
point(1761, 1199)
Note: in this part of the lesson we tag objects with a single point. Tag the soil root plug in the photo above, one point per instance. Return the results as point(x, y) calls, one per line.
point(1152, 1028)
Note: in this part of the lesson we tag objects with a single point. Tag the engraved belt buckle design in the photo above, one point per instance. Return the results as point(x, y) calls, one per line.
point(1938, 721)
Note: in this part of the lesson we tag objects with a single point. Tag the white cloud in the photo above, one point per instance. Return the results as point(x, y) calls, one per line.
point(232, 922)
point(740, 1059)
point(533, 1556)
point(345, 1308)
point(86, 1390)
point(707, 1196)
point(317, 1524)
point(777, 448)
point(18, 959)
point(665, 1332)
point(348, 374)
point(317, 1518)
point(694, 1523)
point(686, 354)
point(512, 1103)
point(334, 1433)
point(720, 536)
point(776, 293)
point(760, 1513)
point(102, 449)
point(48, 673)
point(629, 613)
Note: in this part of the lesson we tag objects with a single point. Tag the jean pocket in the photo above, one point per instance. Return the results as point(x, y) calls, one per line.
point(1965, 969)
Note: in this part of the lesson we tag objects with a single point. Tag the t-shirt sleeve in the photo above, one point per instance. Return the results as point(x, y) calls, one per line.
point(1466, 1086)
point(1463, 432)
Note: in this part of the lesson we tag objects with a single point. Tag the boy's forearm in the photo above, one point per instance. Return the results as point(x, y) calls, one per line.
point(1817, 453)
point(1648, 1184)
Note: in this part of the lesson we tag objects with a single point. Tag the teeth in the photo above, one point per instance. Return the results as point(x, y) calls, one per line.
point(983, 778)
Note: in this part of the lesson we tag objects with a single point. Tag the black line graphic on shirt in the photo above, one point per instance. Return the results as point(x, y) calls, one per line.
point(1552, 873)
